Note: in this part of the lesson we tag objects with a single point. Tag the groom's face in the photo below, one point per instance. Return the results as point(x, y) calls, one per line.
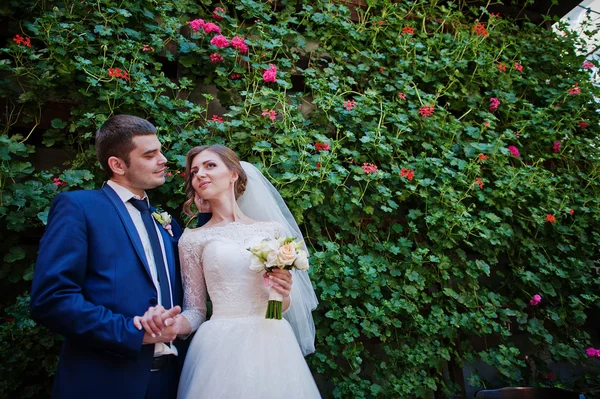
point(147, 165)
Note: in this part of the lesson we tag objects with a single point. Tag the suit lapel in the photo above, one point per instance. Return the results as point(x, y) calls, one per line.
point(128, 223)
point(168, 244)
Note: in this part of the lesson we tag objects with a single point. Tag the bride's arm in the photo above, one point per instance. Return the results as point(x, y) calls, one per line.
point(194, 291)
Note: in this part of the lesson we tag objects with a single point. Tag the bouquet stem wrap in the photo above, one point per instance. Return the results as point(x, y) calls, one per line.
point(275, 306)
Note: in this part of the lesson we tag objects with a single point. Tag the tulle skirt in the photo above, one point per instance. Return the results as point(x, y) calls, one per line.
point(246, 358)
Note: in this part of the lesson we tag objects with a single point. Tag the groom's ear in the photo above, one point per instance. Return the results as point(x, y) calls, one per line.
point(117, 165)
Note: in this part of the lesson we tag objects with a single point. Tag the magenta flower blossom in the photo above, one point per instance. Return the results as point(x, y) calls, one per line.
point(209, 27)
point(220, 41)
point(494, 103)
point(535, 300)
point(239, 43)
point(514, 151)
point(270, 75)
point(214, 57)
point(588, 65)
point(196, 24)
point(556, 146)
point(591, 352)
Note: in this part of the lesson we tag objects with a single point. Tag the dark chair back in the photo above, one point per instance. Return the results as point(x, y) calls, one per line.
point(526, 393)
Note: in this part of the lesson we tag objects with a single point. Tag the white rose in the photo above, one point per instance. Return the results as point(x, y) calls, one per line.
point(272, 258)
point(256, 264)
point(301, 261)
point(165, 217)
point(287, 254)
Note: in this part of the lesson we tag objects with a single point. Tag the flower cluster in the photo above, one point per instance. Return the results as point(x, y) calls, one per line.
point(239, 44)
point(479, 182)
point(220, 41)
point(402, 96)
point(272, 114)
point(22, 41)
point(550, 218)
point(349, 105)
point(235, 76)
point(118, 73)
point(494, 103)
point(591, 352)
point(369, 168)
point(575, 90)
point(502, 66)
point(480, 30)
point(582, 124)
point(588, 65)
point(208, 27)
point(408, 173)
point(217, 119)
point(514, 151)
point(426, 111)
point(535, 300)
point(483, 157)
point(556, 146)
point(165, 221)
point(218, 13)
point(58, 183)
point(518, 67)
point(408, 31)
point(270, 75)
point(146, 47)
point(322, 146)
point(214, 57)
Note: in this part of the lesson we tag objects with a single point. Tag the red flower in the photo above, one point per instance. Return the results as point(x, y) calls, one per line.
point(318, 166)
point(369, 168)
point(483, 157)
point(270, 75)
point(571, 211)
point(582, 124)
point(118, 73)
point(218, 13)
point(479, 182)
point(514, 151)
point(588, 65)
point(575, 90)
point(426, 111)
point(550, 218)
point(196, 24)
point(402, 96)
point(381, 69)
point(502, 66)
point(486, 124)
point(169, 174)
point(272, 114)
point(349, 105)
point(209, 27)
point(220, 41)
point(239, 43)
point(217, 119)
point(214, 57)
point(408, 31)
point(494, 103)
point(379, 22)
point(322, 146)
point(556, 146)
point(518, 67)
point(183, 174)
point(550, 376)
point(58, 182)
point(408, 173)
point(22, 41)
point(480, 29)
point(235, 76)
point(497, 15)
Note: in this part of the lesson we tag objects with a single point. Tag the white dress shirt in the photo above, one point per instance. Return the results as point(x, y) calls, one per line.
point(125, 195)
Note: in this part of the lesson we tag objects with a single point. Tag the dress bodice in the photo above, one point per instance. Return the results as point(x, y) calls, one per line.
point(215, 260)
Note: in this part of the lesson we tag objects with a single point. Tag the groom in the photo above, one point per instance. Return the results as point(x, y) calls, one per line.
point(104, 260)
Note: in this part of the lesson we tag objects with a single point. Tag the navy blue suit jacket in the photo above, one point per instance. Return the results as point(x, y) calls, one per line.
point(91, 279)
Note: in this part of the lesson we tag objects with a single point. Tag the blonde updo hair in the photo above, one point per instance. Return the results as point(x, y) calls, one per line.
point(231, 161)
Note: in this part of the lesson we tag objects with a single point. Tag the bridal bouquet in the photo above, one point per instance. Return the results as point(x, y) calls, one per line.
point(283, 253)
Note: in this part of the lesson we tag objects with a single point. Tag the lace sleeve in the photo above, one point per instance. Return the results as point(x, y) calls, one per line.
point(194, 285)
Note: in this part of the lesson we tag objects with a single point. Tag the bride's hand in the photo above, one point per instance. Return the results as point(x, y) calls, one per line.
point(282, 281)
point(156, 319)
point(202, 205)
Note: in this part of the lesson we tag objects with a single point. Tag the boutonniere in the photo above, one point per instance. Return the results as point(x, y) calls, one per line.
point(165, 221)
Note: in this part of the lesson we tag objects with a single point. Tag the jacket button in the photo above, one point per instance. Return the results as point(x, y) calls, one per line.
point(153, 301)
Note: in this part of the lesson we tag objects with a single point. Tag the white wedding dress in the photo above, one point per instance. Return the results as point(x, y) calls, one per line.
point(237, 354)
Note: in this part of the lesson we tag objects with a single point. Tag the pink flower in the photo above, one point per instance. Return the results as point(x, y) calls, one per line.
point(556, 146)
point(209, 27)
point(402, 96)
point(146, 47)
point(479, 182)
point(369, 168)
point(514, 151)
point(214, 57)
point(591, 352)
point(235, 76)
point(588, 65)
point(494, 103)
point(518, 67)
point(217, 119)
point(349, 105)
point(220, 41)
point(239, 43)
point(270, 75)
point(426, 111)
point(270, 113)
point(196, 24)
point(575, 90)
point(218, 13)
point(322, 146)
point(58, 182)
point(486, 124)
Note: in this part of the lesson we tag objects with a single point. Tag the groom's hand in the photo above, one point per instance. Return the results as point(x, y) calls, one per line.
point(156, 319)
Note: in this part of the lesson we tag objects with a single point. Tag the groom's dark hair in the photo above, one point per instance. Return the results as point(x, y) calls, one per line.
point(115, 138)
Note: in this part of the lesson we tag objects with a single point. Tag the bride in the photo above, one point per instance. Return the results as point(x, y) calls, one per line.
point(238, 353)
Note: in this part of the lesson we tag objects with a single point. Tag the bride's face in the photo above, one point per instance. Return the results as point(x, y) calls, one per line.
point(211, 177)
